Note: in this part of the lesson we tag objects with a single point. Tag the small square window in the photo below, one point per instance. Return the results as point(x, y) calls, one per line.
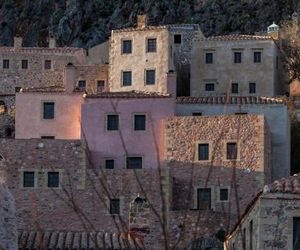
point(197, 114)
point(237, 57)
point(126, 78)
point(257, 57)
point(24, 64)
point(53, 179)
point(203, 152)
point(151, 45)
point(204, 198)
point(177, 39)
point(209, 58)
point(150, 77)
point(114, 206)
point(234, 88)
point(209, 87)
point(109, 164)
point(5, 64)
point(134, 162)
point(126, 46)
point(224, 194)
point(112, 122)
point(100, 86)
point(48, 64)
point(48, 110)
point(28, 179)
point(81, 85)
point(139, 122)
point(231, 151)
point(252, 87)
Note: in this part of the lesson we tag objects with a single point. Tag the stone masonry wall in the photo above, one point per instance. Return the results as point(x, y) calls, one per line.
point(243, 177)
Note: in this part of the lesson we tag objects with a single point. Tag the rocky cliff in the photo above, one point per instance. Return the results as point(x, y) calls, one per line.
point(85, 23)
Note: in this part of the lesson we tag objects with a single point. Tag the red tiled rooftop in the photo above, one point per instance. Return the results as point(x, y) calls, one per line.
point(235, 37)
point(44, 50)
point(49, 89)
point(128, 94)
point(289, 184)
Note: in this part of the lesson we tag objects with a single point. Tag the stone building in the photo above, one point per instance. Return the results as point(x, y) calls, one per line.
point(275, 111)
point(217, 165)
point(141, 57)
point(239, 65)
point(272, 219)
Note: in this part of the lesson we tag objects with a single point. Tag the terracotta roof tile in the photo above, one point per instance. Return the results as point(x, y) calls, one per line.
point(76, 240)
point(289, 184)
point(50, 89)
point(43, 50)
point(235, 37)
point(128, 94)
point(228, 100)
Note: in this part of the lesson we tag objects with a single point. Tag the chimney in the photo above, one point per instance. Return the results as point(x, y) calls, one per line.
point(18, 42)
point(142, 21)
point(70, 77)
point(171, 83)
point(52, 42)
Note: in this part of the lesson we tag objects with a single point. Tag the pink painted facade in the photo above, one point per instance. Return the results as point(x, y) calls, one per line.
point(29, 115)
point(126, 141)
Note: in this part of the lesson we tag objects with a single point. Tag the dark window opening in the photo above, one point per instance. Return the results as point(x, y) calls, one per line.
point(244, 239)
point(203, 152)
point(197, 114)
point(151, 45)
point(109, 164)
point(252, 87)
point(5, 64)
point(139, 122)
point(47, 64)
point(81, 85)
point(240, 113)
point(209, 58)
point(134, 162)
point(209, 87)
point(114, 207)
point(177, 39)
point(112, 122)
point(237, 57)
point(257, 57)
point(48, 137)
point(53, 179)
point(8, 132)
point(24, 64)
point(150, 77)
point(204, 198)
point(224, 194)
point(234, 88)
point(231, 151)
point(126, 46)
point(251, 235)
point(17, 89)
point(127, 78)
point(28, 179)
point(48, 110)
point(100, 86)
point(296, 233)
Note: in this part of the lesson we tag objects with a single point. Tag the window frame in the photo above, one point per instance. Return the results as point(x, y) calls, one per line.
point(232, 88)
point(209, 151)
point(59, 179)
point(5, 64)
point(27, 64)
point(147, 45)
point(207, 89)
point(106, 122)
point(103, 87)
point(122, 46)
point(23, 171)
point(145, 77)
point(251, 87)
point(45, 63)
point(211, 61)
point(238, 150)
point(174, 39)
point(109, 159)
point(219, 193)
point(237, 59)
point(133, 121)
point(110, 206)
point(198, 201)
point(122, 78)
point(134, 156)
point(54, 110)
point(254, 57)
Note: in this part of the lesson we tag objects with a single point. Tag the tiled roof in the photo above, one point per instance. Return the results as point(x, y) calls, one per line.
point(140, 29)
point(289, 184)
point(55, 240)
point(44, 50)
point(128, 94)
point(228, 100)
point(235, 37)
point(49, 89)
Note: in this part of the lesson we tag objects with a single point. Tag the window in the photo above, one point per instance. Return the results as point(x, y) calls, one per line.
point(100, 86)
point(209, 87)
point(150, 77)
point(109, 164)
point(114, 206)
point(240, 113)
point(234, 88)
point(28, 179)
point(81, 85)
point(257, 57)
point(231, 151)
point(126, 47)
point(203, 152)
point(296, 233)
point(48, 110)
point(252, 87)
point(126, 78)
point(277, 62)
point(244, 239)
point(237, 57)
point(47, 64)
point(204, 198)
point(53, 179)
point(139, 122)
point(134, 162)
point(197, 114)
point(209, 58)
point(5, 64)
point(112, 122)
point(48, 137)
point(251, 235)
point(24, 64)
point(17, 89)
point(224, 194)
point(151, 45)
point(177, 38)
